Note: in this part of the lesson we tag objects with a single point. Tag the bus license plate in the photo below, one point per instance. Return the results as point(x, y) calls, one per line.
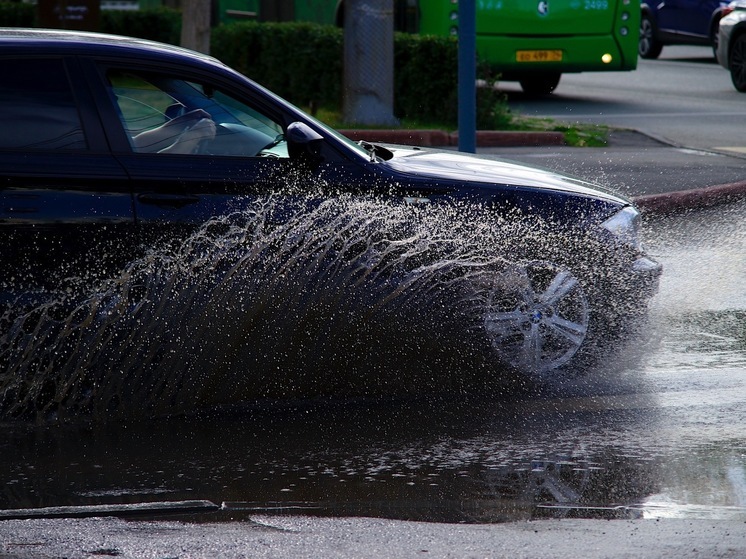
point(538, 56)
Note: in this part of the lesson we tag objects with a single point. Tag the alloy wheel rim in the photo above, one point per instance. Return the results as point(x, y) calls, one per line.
point(538, 316)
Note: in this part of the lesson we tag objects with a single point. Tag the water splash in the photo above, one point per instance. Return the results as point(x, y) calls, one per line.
point(345, 297)
point(294, 298)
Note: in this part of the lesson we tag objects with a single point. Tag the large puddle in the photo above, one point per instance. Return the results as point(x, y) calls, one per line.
point(662, 434)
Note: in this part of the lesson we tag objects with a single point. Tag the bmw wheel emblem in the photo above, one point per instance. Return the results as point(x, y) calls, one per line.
point(543, 8)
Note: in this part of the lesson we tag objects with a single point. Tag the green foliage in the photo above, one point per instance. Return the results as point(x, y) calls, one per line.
point(157, 24)
point(16, 14)
point(426, 69)
point(300, 61)
point(492, 109)
point(303, 62)
point(426, 83)
point(585, 135)
point(578, 135)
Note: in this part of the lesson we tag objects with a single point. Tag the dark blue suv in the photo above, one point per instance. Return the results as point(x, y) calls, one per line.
point(679, 22)
point(112, 147)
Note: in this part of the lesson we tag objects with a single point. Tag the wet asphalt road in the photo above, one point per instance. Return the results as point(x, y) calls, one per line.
point(656, 442)
point(635, 164)
point(684, 97)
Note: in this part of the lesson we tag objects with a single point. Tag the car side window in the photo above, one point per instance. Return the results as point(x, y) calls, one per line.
point(166, 114)
point(37, 107)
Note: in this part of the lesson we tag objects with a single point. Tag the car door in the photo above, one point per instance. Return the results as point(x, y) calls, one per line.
point(668, 15)
point(696, 16)
point(686, 17)
point(194, 148)
point(65, 201)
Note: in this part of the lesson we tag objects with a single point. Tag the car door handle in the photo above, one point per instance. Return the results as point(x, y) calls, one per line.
point(167, 200)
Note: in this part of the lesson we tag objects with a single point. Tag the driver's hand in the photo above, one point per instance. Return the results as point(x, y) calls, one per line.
point(190, 139)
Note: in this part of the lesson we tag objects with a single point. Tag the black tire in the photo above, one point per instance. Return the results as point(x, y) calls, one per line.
point(737, 62)
point(649, 47)
point(540, 84)
point(571, 296)
point(715, 40)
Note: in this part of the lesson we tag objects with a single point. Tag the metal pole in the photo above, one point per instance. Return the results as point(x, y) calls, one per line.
point(467, 76)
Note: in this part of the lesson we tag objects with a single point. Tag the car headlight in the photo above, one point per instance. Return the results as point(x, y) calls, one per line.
point(625, 226)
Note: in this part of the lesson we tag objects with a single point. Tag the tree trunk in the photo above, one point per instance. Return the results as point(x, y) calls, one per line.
point(369, 62)
point(195, 25)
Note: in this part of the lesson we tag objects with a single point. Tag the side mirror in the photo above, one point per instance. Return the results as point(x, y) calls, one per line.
point(303, 142)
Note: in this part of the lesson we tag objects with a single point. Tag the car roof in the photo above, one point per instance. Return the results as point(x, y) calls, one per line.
point(71, 42)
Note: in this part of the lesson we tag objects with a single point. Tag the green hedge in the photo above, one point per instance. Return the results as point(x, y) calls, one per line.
point(300, 61)
point(156, 24)
point(426, 77)
point(426, 83)
point(303, 61)
point(16, 14)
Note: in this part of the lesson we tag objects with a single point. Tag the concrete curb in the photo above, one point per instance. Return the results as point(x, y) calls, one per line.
point(691, 199)
point(441, 138)
point(121, 510)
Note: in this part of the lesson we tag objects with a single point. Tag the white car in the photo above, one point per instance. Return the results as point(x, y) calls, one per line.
point(731, 52)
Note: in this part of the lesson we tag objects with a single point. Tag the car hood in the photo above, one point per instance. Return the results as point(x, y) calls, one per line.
point(448, 165)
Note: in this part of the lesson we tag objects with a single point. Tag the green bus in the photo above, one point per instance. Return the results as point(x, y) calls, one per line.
point(529, 41)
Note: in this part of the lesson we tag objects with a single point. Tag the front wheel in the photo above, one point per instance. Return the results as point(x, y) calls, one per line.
point(715, 41)
point(648, 47)
point(737, 63)
point(537, 317)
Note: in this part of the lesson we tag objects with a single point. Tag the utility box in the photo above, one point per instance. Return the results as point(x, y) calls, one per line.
point(81, 15)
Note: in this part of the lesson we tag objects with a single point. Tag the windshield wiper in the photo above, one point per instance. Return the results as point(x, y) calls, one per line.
point(375, 151)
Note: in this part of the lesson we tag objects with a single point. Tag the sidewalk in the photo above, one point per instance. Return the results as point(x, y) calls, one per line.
point(295, 537)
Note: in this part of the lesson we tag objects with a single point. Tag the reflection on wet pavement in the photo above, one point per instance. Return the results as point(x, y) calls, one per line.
point(661, 435)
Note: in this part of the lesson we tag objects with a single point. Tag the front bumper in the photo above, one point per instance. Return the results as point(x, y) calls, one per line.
point(646, 275)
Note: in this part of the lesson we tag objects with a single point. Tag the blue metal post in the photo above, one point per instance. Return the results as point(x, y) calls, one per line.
point(467, 76)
